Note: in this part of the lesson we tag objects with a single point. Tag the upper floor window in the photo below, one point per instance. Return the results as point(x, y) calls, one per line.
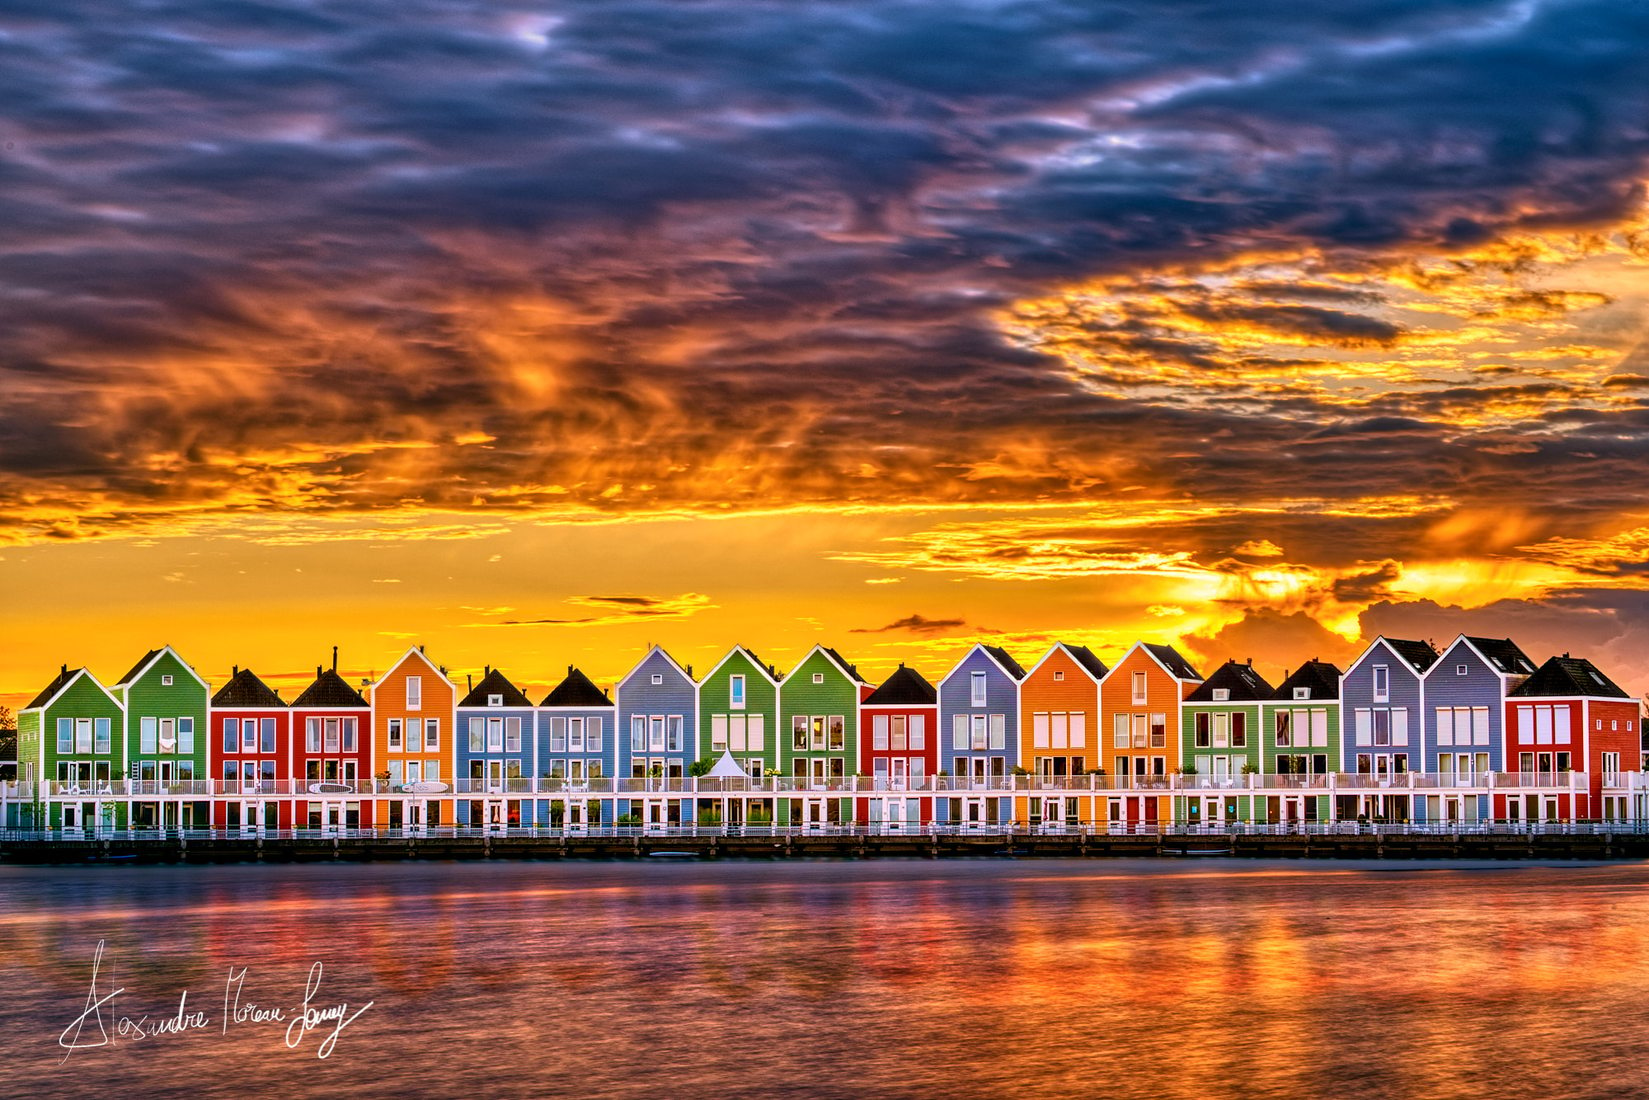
point(818, 677)
point(1222, 695)
point(658, 678)
point(495, 700)
point(166, 681)
point(1059, 674)
point(977, 696)
point(1140, 695)
point(1460, 670)
point(1302, 693)
point(1382, 684)
point(735, 692)
point(415, 692)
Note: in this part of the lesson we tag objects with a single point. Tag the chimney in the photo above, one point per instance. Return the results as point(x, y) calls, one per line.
point(420, 647)
point(469, 681)
point(1250, 662)
point(318, 671)
point(65, 670)
point(569, 670)
point(235, 671)
point(689, 672)
point(334, 658)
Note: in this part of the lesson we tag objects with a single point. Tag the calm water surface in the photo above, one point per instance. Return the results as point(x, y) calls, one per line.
point(1120, 979)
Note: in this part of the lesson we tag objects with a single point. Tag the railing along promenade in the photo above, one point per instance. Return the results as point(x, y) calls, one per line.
point(850, 786)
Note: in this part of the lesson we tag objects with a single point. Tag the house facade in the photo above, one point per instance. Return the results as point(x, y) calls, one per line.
point(658, 720)
point(1300, 736)
point(164, 702)
point(332, 755)
point(899, 749)
point(1059, 723)
point(1382, 699)
point(1221, 743)
point(1465, 721)
point(1567, 717)
point(494, 750)
point(819, 713)
point(979, 713)
point(739, 716)
point(1139, 705)
point(249, 751)
point(577, 752)
point(71, 744)
point(413, 709)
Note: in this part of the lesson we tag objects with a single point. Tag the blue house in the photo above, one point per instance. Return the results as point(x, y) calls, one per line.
point(1382, 699)
point(1465, 719)
point(658, 737)
point(979, 732)
point(495, 751)
point(577, 745)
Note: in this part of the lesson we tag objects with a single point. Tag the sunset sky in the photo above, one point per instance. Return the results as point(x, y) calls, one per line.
point(537, 334)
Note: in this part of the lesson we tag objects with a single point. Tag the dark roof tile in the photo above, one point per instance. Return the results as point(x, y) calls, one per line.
point(1173, 662)
point(577, 690)
point(1504, 655)
point(59, 682)
point(1244, 684)
point(1320, 678)
point(495, 683)
point(329, 691)
point(906, 687)
point(244, 689)
point(1570, 677)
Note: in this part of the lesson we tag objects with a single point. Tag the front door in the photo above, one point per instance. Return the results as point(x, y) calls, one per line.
point(973, 813)
point(576, 815)
point(251, 818)
point(495, 779)
point(416, 815)
point(71, 817)
point(1053, 815)
point(900, 775)
point(495, 819)
point(814, 815)
point(893, 815)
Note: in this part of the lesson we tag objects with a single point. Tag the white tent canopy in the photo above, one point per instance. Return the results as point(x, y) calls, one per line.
point(727, 768)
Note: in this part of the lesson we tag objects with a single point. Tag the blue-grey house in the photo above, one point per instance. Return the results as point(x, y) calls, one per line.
point(1382, 698)
point(658, 736)
point(577, 746)
point(495, 751)
point(1465, 718)
point(979, 732)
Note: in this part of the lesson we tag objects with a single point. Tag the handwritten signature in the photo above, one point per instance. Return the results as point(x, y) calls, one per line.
point(307, 1016)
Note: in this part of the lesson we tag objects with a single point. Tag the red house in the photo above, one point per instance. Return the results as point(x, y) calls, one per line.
point(1568, 717)
point(331, 754)
point(249, 750)
point(899, 750)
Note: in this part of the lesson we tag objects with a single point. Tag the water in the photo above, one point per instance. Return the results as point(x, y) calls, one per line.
point(976, 978)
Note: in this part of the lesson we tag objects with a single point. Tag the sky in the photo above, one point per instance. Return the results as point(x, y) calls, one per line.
point(539, 334)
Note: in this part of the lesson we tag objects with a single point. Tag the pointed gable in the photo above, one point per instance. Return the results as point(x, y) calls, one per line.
point(495, 683)
point(1419, 656)
point(1569, 677)
point(1169, 658)
point(849, 670)
point(244, 689)
point(1087, 659)
point(330, 691)
point(51, 691)
point(576, 690)
point(1240, 680)
point(1320, 679)
point(906, 687)
point(137, 670)
point(1009, 665)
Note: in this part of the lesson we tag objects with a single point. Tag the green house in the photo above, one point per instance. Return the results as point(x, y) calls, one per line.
point(1300, 732)
point(70, 746)
point(819, 724)
point(739, 716)
point(165, 708)
point(1220, 733)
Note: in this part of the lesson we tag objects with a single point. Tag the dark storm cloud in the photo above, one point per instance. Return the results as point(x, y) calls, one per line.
point(727, 255)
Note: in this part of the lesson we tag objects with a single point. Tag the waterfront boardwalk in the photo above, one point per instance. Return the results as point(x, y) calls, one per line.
point(1505, 842)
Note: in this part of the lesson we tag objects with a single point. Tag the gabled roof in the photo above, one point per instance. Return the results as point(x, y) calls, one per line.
point(662, 652)
point(1244, 684)
point(416, 651)
point(495, 683)
point(150, 658)
point(848, 670)
point(766, 670)
point(1502, 654)
point(1319, 677)
point(1081, 654)
point(906, 687)
point(329, 691)
point(1419, 655)
point(1169, 658)
point(998, 656)
point(1570, 677)
point(52, 690)
point(577, 690)
point(244, 689)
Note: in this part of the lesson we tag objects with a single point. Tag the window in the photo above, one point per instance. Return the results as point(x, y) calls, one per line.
point(658, 678)
point(1382, 728)
point(83, 735)
point(918, 732)
point(959, 732)
point(798, 727)
point(1142, 731)
point(495, 735)
point(266, 734)
point(249, 736)
point(592, 734)
point(415, 692)
point(148, 730)
point(1239, 729)
point(999, 731)
point(231, 735)
point(880, 727)
point(102, 729)
point(1460, 670)
point(901, 731)
point(718, 733)
point(1382, 684)
point(478, 734)
point(1139, 687)
point(818, 677)
point(1285, 727)
point(311, 735)
point(1119, 731)
point(495, 700)
point(432, 735)
point(348, 727)
point(1202, 727)
point(415, 735)
point(1302, 693)
point(638, 734)
point(1222, 695)
point(1159, 731)
point(575, 735)
point(166, 680)
point(65, 735)
point(978, 694)
point(980, 739)
point(838, 733)
point(1059, 674)
point(735, 693)
point(816, 739)
point(395, 735)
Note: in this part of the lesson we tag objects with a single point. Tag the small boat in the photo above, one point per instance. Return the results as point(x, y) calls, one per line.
point(1199, 851)
point(673, 855)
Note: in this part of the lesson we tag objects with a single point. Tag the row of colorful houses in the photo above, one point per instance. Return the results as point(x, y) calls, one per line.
point(820, 745)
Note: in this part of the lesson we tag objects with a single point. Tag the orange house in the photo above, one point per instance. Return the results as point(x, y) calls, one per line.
point(1059, 733)
point(1139, 703)
point(412, 740)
